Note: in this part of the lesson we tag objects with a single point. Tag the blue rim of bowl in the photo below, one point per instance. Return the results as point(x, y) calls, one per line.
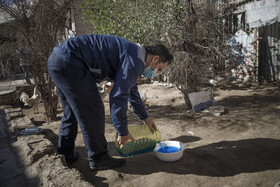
point(181, 149)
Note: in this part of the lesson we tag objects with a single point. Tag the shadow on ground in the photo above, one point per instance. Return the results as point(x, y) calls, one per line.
point(82, 163)
point(12, 170)
point(221, 159)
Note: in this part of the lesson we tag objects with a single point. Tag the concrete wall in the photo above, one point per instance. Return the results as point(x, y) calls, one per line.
point(269, 52)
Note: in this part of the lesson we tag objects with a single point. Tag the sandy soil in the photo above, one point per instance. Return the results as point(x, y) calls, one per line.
point(239, 148)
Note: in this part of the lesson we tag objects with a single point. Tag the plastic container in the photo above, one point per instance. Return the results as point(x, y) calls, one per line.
point(170, 157)
point(146, 140)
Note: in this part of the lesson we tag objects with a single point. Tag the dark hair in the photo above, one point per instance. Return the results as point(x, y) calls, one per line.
point(161, 51)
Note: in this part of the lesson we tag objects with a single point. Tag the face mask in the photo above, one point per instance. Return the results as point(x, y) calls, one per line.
point(149, 73)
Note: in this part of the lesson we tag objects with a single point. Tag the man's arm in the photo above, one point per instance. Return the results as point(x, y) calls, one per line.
point(125, 79)
point(139, 107)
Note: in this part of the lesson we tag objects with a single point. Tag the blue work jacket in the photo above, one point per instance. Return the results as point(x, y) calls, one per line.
point(116, 59)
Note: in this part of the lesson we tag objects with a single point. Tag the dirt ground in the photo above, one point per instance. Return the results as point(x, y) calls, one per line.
point(239, 148)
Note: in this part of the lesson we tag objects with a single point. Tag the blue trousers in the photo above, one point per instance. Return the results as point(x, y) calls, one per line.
point(82, 104)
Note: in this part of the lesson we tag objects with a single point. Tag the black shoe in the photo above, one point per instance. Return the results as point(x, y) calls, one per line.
point(106, 163)
point(73, 159)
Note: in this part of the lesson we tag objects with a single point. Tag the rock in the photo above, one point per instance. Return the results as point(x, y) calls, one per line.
point(12, 113)
point(215, 110)
point(9, 110)
point(20, 123)
point(201, 100)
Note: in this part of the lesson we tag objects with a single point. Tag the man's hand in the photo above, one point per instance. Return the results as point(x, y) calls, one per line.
point(123, 139)
point(150, 122)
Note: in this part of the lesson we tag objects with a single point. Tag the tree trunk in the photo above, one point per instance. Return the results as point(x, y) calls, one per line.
point(50, 103)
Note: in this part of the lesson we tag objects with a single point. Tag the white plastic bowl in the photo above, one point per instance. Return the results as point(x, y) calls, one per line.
point(170, 157)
